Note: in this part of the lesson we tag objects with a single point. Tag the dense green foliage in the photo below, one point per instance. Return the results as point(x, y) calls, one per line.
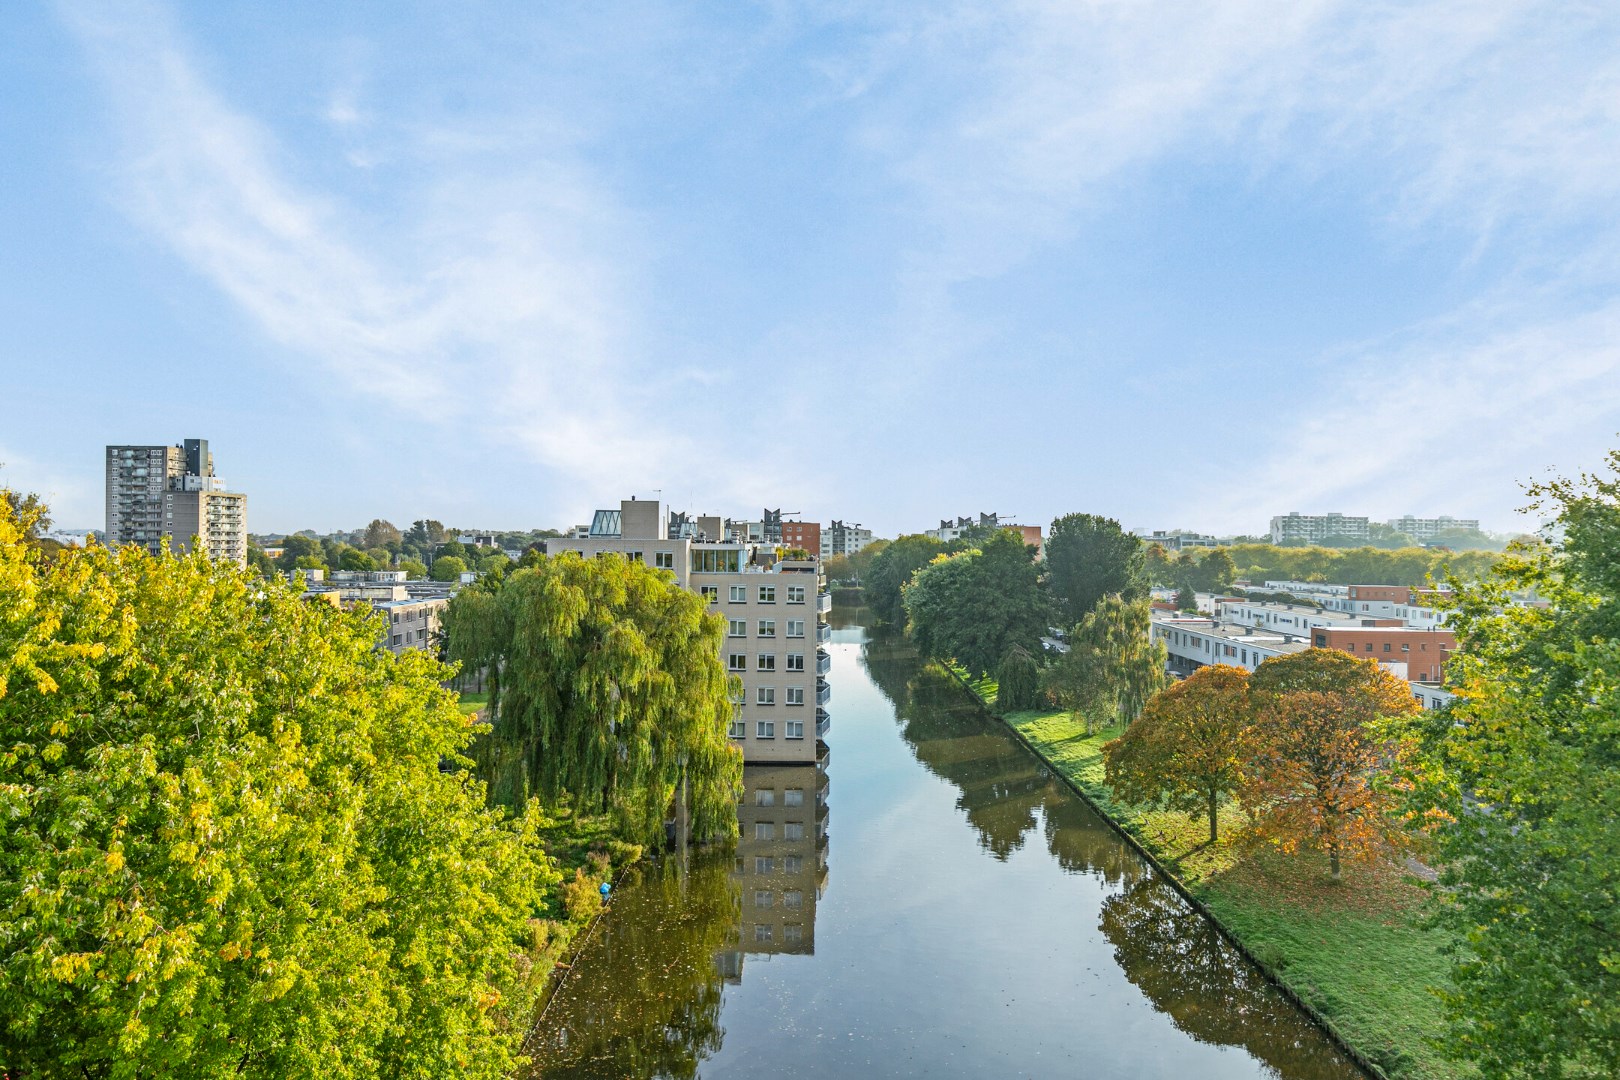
point(1531, 794)
point(229, 847)
point(1089, 557)
point(890, 570)
point(1112, 667)
point(978, 605)
point(606, 685)
point(1259, 563)
point(1018, 680)
point(448, 568)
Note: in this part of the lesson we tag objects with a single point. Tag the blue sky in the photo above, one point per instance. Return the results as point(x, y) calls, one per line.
point(499, 263)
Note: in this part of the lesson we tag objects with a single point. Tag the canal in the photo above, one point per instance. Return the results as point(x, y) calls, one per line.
point(926, 901)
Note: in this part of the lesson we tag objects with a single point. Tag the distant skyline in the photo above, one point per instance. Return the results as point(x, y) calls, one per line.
point(1187, 265)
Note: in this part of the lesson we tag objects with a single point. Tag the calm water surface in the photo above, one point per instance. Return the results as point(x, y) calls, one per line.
point(928, 901)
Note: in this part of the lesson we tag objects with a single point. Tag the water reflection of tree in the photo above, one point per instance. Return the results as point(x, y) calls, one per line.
point(644, 1000)
point(1001, 785)
point(1084, 843)
point(1189, 972)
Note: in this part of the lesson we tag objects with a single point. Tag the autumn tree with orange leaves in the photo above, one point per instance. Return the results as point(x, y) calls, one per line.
point(1186, 748)
point(1322, 750)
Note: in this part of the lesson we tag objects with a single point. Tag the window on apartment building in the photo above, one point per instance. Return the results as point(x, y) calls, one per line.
point(765, 729)
point(766, 696)
point(793, 899)
point(794, 730)
point(737, 661)
point(764, 898)
point(764, 830)
point(1388, 647)
point(795, 594)
point(792, 864)
point(736, 627)
point(664, 560)
point(739, 594)
point(795, 695)
point(795, 660)
point(767, 661)
point(764, 864)
point(792, 830)
point(795, 628)
point(738, 728)
point(1369, 646)
point(767, 628)
point(765, 797)
point(633, 556)
point(793, 796)
point(710, 593)
point(763, 933)
point(396, 639)
point(767, 594)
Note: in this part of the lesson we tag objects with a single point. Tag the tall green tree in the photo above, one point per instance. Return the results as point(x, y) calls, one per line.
point(298, 546)
point(1527, 787)
point(382, 534)
point(229, 845)
point(1089, 557)
point(977, 606)
point(1112, 667)
point(891, 570)
point(1018, 681)
point(606, 686)
point(448, 568)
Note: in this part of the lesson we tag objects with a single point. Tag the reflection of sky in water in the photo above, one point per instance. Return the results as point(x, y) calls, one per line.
point(1029, 943)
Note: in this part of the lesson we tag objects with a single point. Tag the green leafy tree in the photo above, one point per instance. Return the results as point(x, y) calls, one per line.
point(298, 546)
point(425, 534)
point(308, 562)
point(1526, 785)
point(1089, 557)
point(1017, 681)
point(355, 559)
point(1112, 667)
point(606, 685)
point(839, 568)
point(449, 568)
point(891, 570)
point(415, 569)
point(454, 549)
point(261, 563)
point(1186, 749)
point(1186, 599)
point(978, 605)
point(861, 562)
point(1157, 565)
point(229, 846)
point(1218, 569)
point(382, 534)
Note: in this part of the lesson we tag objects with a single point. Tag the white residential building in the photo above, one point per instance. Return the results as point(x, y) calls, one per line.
point(841, 538)
point(1428, 528)
point(1314, 528)
point(157, 493)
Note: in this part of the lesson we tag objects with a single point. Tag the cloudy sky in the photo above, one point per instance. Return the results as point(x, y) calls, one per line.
point(1187, 264)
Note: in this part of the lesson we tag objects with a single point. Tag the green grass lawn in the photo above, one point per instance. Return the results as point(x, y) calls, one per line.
point(472, 703)
point(1356, 951)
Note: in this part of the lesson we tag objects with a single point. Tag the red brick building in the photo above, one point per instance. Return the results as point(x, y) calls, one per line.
point(1424, 652)
point(803, 534)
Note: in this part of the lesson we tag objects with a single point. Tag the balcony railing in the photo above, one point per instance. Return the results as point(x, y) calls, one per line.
point(823, 633)
point(823, 662)
point(823, 692)
point(823, 722)
point(823, 603)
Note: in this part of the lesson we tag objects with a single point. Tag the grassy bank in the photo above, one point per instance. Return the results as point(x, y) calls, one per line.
point(1355, 951)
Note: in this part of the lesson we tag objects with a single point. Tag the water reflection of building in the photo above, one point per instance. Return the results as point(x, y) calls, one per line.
point(781, 860)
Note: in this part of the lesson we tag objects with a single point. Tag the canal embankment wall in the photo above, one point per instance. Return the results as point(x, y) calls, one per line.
point(1124, 828)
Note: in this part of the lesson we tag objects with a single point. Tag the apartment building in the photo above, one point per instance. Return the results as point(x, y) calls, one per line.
point(1295, 527)
point(1195, 642)
point(781, 860)
point(1179, 539)
point(1416, 655)
point(171, 492)
point(773, 610)
point(803, 535)
point(841, 538)
point(1429, 528)
point(1297, 619)
point(411, 609)
point(952, 529)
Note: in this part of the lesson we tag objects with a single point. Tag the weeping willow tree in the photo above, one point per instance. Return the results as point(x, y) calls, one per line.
point(1112, 667)
point(606, 688)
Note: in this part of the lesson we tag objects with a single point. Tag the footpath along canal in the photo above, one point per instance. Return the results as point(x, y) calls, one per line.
point(928, 900)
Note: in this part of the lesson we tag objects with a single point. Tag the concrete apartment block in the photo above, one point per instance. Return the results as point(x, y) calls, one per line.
point(158, 492)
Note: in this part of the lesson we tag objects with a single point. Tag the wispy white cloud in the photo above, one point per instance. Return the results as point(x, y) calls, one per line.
point(492, 304)
point(1497, 120)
